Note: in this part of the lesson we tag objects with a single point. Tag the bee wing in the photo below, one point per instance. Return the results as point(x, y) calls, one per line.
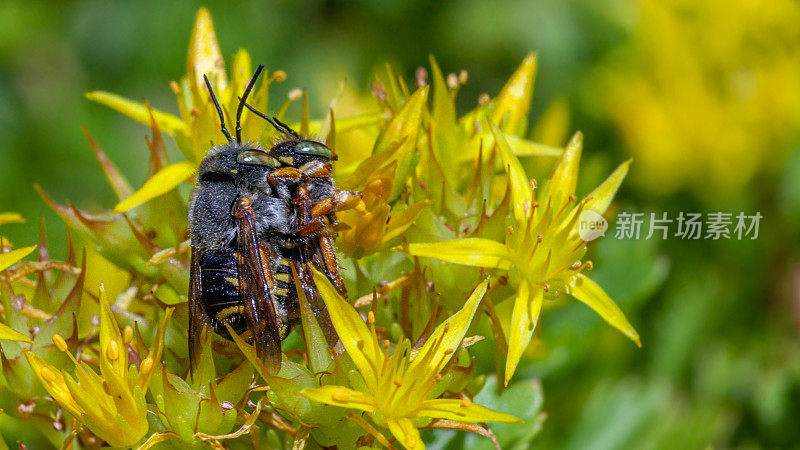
point(259, 310)
point(196, 316)
point(324, 261)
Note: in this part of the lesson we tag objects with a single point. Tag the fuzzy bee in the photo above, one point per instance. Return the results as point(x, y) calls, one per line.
point(259, 219)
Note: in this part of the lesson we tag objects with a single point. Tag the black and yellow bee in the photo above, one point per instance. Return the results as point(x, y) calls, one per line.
point(259, 219)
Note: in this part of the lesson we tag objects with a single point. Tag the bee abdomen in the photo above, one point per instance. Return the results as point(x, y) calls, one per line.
point(220, 292)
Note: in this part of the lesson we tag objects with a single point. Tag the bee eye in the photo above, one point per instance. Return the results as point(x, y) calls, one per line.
point(312, 148)
point(257, 158)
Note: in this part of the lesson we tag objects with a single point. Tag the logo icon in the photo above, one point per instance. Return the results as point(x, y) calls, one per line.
point(591, 225)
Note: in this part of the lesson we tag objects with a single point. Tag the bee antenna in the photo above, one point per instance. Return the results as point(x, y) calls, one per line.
point(219, 110)
point(280, 126)
point(286, 127)
point(242, 99)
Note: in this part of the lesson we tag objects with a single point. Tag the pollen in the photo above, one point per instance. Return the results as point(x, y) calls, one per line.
point(294, 94)
point(127, 334)
point(146, 366)
point(112, 351)
point(59, 342)
point(279, 76)
point(463, 76)
point(452, 81)
point(371, 318)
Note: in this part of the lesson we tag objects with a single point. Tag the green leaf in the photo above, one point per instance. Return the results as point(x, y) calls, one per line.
point(590, 293)
point(444, 128)
point(319, 356)
point(522, 399)
point(8, 259)
point(162, 182)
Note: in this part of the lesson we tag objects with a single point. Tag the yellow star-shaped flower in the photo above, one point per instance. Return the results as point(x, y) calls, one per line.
point(543, 249)
point(396, 387)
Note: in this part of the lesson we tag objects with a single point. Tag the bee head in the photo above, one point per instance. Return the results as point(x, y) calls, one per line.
point(240, 163)
point(297, 152)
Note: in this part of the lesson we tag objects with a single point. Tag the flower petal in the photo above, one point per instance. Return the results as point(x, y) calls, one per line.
point(340, 396)
point(9, 334)
point(145, 374)
point(521, 190)
point(53, 381)
point(8, 259)
point(357, 340)
point(590, 293)
point(512, 104)
point(527, 307)
point(10, 217)
point(162, 182)
point(171, 124)
point(399, 222)
point(564, 178)
point(524, 147)
point(113, 350)
point(399, 137)
point(205, 57)
point(601, 197)
point(405, 432)
point(464, 411)
point(471, 252)
point(446, 338)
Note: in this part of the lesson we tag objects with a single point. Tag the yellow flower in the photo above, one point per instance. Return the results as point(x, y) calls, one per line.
point(543, 249)
point(111, 404)
point(396, 386)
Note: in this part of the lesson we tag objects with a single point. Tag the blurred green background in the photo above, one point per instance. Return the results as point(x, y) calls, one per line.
point(704, 95)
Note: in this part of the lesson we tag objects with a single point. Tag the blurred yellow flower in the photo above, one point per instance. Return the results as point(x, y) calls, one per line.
point(705, 94)
point(396, 386)
point(543, 248)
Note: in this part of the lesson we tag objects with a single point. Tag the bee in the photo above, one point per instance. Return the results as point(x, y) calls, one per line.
point(259, 219)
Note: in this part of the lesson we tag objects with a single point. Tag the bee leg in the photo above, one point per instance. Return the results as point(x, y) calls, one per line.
point(329, 258)
point(285, 174)
point(310, 227)
point(323, 207)
point(346, 199)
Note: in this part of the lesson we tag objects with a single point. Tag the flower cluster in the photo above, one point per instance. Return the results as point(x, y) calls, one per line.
point(698, 111)
point(447, 224)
